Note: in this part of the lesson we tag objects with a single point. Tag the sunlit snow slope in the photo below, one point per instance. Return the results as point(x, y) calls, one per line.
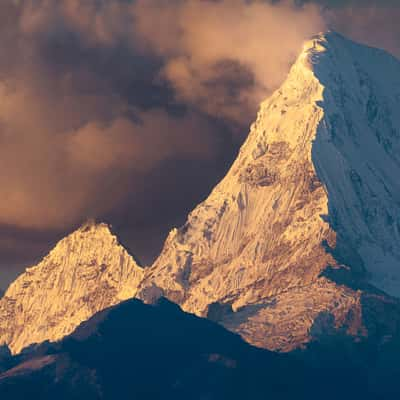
point(86, 272)
point(311, 203)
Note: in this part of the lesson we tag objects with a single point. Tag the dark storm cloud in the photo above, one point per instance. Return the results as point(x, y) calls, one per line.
point(73, 134)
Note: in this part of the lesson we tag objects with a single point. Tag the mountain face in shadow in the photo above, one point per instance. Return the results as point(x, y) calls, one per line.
point(138, 351)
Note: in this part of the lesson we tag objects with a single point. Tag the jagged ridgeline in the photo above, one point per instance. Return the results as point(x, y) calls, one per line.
point(298, 241)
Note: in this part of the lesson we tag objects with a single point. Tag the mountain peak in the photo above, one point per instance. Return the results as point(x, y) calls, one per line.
point(86, 272)
point(312, 196)
point(316, 47)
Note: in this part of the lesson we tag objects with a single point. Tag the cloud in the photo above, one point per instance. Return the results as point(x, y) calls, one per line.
point(225, 56)
point(62, 159)
point(72, 141)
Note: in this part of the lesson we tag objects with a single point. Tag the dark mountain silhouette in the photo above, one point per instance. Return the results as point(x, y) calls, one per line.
point(138, 351)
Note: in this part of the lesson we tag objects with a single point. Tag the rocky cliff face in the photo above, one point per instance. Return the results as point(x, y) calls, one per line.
point(287, 245)
point(85, 273)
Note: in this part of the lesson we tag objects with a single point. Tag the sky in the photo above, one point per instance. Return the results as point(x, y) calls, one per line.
point(130, 111)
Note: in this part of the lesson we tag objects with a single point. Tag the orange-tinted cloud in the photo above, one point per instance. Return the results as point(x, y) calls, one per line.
point(62, 160)
point(225, 56)
point(70, 146)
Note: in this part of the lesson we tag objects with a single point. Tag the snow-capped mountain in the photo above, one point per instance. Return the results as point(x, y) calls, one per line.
point(299, 240)
point(309, 212)
point(86, 272)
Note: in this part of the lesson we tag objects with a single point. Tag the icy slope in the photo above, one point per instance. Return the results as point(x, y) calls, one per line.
point(85, 273)
point(356, 154)
point(313, 189)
